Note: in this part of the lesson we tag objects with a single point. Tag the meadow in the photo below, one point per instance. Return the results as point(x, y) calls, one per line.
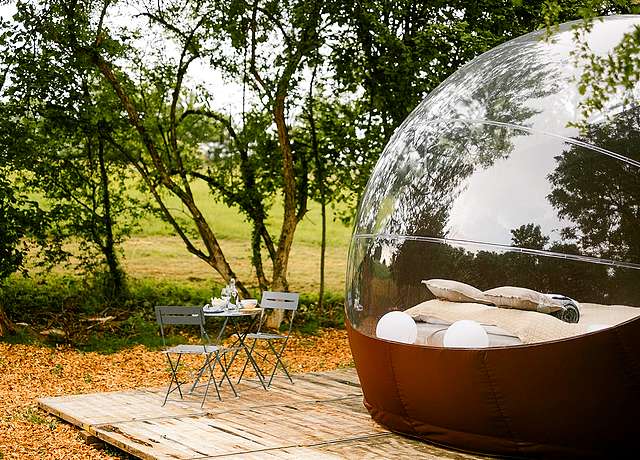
point(155, 251)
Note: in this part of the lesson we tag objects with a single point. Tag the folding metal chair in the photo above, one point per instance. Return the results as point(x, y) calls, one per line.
point(169, 315)
point(287, 301)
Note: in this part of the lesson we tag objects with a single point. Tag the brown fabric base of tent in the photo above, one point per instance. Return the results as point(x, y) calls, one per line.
point(576, 397)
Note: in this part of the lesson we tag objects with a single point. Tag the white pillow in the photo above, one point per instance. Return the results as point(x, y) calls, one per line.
point(521, 299)
point(455, 291)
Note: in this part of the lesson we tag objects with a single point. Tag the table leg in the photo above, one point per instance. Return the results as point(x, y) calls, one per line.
point(240, 342)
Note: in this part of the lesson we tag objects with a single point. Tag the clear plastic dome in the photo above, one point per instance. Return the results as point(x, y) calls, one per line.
point(490, 183)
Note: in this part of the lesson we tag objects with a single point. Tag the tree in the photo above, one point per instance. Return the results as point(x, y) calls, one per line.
point(76, 174)
point(14, 223)
point(20, 217)
point(57, 140)
point(529, 236)
point(168, 125)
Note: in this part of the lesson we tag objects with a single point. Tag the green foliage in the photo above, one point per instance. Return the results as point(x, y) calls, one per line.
point(39, 302)
point(615, 74)
point(34, 300)
point(66, 302)
point(59, 122)
point(309, 318)
point(16, 219)
point(399, 52)
point(138, 329)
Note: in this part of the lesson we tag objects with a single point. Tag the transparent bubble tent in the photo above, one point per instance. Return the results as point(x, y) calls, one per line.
point(493, 283)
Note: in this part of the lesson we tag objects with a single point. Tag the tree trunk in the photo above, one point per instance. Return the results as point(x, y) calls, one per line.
point(256, 257)
point(323, 247)
point(321, 187)
point(214, 256)
point(289, 220)
point(6, 325)
point(116, 276)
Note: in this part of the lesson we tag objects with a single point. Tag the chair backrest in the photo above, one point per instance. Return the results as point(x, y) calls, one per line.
point(280, 300)
point(287, 301)
point(172, 315)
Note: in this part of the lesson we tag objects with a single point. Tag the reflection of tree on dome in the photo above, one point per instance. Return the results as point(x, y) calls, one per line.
point(487, 267)
point(426, 173)
point(599, 195)
point(427, 160)
point(382, 288)
point(503, 86)
point(498, 87)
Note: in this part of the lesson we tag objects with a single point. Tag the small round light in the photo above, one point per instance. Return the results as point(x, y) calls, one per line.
point(466, 334)
point(398, 327)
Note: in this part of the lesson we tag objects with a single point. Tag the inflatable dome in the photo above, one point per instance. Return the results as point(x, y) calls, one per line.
point(493, 284)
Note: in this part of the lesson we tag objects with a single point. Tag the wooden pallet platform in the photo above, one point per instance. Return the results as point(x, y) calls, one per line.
point(320, 416)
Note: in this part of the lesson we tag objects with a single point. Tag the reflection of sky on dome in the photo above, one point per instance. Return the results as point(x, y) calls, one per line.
point(461, 168)
point(509, 194)
point(527, 81)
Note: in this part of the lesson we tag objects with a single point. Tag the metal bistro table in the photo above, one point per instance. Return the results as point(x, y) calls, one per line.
point(234, 317)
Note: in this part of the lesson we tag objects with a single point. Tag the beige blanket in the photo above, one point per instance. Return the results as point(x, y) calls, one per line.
point(528, 326)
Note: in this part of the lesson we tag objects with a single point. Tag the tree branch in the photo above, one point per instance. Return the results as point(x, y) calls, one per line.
point(144, 173)
point(252, 61)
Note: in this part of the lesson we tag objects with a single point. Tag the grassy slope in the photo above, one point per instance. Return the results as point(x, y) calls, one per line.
point(155, 251)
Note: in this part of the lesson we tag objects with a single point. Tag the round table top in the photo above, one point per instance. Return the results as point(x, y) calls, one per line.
point(233, 312)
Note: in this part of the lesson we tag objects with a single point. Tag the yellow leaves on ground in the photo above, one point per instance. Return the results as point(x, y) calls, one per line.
point(28, 372)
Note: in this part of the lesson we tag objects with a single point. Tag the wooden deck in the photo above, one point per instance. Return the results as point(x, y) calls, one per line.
point(320, 416)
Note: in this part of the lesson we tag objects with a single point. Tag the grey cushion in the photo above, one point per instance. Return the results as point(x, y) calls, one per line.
point(522, 299)
point(455, 291)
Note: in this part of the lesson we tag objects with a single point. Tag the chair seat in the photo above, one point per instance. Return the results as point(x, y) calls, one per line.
point(186, 349)
point(265, 335)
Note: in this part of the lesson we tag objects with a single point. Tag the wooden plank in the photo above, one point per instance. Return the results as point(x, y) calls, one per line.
point(387, 445)
point(98, 408)
point(90, 439)
point(320, 416)
point(393, 446)
point(242, 431)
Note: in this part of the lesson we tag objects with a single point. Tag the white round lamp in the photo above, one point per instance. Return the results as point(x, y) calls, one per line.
point(398, 327)
point(466, 334)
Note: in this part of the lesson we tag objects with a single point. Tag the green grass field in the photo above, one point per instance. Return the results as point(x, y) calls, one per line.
point(156, 251)
point(228, 224)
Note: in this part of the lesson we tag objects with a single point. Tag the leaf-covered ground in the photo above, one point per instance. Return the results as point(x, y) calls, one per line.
point(28, 372)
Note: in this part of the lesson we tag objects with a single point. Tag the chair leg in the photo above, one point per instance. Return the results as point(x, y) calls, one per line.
point(174, 378)
point(226, 366)
point(278, 356)
point(211, 377)
point(244, 368)
point(225, 375)
point(257, 370)
point(254, 364)
point(198, 377)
